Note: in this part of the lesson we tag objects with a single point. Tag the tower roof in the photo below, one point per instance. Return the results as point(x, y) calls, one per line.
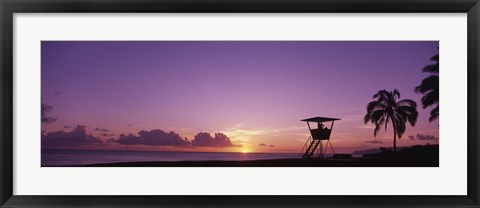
point(320, 119)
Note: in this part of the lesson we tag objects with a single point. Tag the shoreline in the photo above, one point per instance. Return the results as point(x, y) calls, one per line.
point(360, 162)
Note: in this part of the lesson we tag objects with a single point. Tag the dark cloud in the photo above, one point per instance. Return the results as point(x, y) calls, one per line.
point(112, 140)
point(45, 109)
point(265, 145)
point(204, 139)
point(57, 93)
point(76, 137)
point(67, 127)
point(130, 125)
point(102, 130)
point(422, 137)
point(374, 142)
point(155, 137)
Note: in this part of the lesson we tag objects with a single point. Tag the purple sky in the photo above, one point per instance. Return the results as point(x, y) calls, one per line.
point(253, 91)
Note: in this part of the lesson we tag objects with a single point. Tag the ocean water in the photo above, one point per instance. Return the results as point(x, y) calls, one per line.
point(84, 157)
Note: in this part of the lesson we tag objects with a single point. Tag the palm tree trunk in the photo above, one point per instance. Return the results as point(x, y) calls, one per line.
point(394, 137)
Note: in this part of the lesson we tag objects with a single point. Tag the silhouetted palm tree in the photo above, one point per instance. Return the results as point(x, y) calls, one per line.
point(429, 88)
point(387, 109)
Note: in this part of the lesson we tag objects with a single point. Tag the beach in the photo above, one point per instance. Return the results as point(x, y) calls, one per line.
point(414, 156)
point(400, 162)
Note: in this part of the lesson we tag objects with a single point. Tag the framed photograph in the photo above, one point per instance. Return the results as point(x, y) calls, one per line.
point(266, 103)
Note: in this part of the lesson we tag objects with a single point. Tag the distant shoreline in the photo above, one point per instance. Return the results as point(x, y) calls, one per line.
point(376, 162)
point(173, 151)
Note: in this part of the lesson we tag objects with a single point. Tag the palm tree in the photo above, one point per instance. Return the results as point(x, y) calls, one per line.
point(430, 88)
point(387, 109)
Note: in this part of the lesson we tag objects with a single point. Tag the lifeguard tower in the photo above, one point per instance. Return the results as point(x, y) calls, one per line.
point(319, 137)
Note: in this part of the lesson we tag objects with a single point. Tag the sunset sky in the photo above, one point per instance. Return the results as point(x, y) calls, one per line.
point(253, 92)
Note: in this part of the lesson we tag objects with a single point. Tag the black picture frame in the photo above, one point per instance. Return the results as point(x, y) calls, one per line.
point(9, 7)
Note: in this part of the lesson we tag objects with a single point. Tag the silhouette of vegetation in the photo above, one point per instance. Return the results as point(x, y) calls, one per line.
point(430, 88)
point(426, 152)
point(387, 109)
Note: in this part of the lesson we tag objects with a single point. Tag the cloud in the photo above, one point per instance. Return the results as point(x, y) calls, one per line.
point(57, 93)
point(76, 137)
point(265, 145)
point(272, 145)
point(102, 130)
point(67, 127)
point(204, 139)
point(374, 142)
point(155, 137)
point(44, 110)
point(422, 137)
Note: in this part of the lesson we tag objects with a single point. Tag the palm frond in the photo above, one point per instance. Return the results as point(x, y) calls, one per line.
point(409, 113)
point(375, 105)
point(376, 130)
point(434, 114)
point(430, 87)
point(396, 93)
point(407, 102)
point(428, 84)
point(378, 124)
point(432, 68)
point(368, 117)
point(430, 99)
